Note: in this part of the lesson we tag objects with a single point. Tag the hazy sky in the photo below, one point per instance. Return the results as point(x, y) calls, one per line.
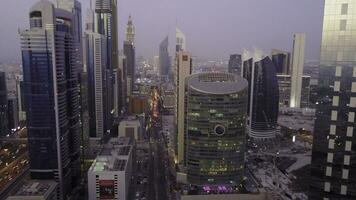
point(214, 28)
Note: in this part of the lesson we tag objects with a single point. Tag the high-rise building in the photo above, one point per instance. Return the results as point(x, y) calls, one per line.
point(235, 63)
point(129, 51)
point(284, 86)
point(181, 43)
point(183, 68)
point(106, 25)
point(297, 69)
point(20, 98)
point(95, 61)
point(130, 31)
point(282, 61)
point(215, 132)
point(123, 92)
point(50, 71)
point(164, 59)
point(12, 113)
point(3, 105)
point(260, 72)
point(333, 168)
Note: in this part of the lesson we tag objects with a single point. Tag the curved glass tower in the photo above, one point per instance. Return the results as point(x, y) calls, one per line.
point(215, 127)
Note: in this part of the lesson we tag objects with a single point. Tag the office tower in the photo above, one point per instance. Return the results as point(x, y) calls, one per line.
point(260, 72)
point(3, 105)
point(282, 61)
point(117, 91)
point(235, 63)
point(183, 68)
point(333, 169)
point(297, 69)
point(164, 60)
point(284, 86)
point(12, 113)
point(106, 24)
point(84, 114)
point(20, 98)
point(95, 61)
point(216, 132)
point(129, 51)
point(51, 93)
point(123, 70)
point(180, 41)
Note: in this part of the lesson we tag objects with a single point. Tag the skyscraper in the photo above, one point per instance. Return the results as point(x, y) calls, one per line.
point(130, 31)
point(20, 98)
point(282, 61)
point(3, 105)
point(260, 72)
point(51, 92)
point(12, 113)
point(297, 69)
point(95, 61)
point(164, 60)
point(333, 169)
point(183, 68)
point(106, 25)
point(216, 132)
point(235, 63)
point(181, 43)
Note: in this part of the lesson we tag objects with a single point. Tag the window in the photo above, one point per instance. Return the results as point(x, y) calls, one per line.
point(343, 190)
point(346, 160)
point(327, 187)
point(343, 25)
point(328, 171)
point(330, 157)
point(351, 117)
point(334, 115)
point(348, 146)
point(345, 173)
point(354, 72)
point(353, 102)
point(350, 131)
point(338, 71)
point(331, 143)
point(344, 8)
point(332, 129)
point(336, 86)
point(335, 100)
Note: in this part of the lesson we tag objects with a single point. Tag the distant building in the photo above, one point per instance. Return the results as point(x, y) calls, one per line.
point(12, 113)
point(110, 174)
point(282, 61)
point(260, 72)
point(36, 190)
point(21, 98)
point(284, 85)
point(132, 128)
point(333, 164)
point(50, 68)
point(183, 68)
point(138, 104)
point(181, 43)
point(235, 64)
point(215, 133)
point(95, 61)
point(297, 69)
point(3, 106)
point(164, 59)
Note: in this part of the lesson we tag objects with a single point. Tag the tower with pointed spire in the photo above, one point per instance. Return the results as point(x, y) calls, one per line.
point(130, 31)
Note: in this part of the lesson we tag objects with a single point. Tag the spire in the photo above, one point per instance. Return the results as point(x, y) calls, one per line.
point(130, 31)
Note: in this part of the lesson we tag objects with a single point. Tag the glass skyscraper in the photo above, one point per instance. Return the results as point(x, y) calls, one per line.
point(3, 106)
point(235, 63)
point(216, 112)
point(333, 168)
point(52, 95)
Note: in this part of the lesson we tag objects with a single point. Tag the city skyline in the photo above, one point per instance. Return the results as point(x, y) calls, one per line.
point(193, 22)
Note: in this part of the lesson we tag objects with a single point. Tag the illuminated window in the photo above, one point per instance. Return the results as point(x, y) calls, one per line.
point(348, 146)
point(343, 189)
point(345, 173)
point(335, 100)
point(338, 71)
point(334, 115)
point(330, 157)
point(331, 143)
point(332, 129)
point(346, 160)
point(336, 86)
point(328, 171)
point(327, 187)
point(350, 131)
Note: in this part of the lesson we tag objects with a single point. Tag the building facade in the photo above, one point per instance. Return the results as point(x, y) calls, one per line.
point(4, 130)
point(216, 132)
point(282, 61)
point(263, 97)
point(183, 69)
point(333, 169)
point(297, 69)
point(284, 86)
point(52, 95)
point(235, 64)
point(164, 60)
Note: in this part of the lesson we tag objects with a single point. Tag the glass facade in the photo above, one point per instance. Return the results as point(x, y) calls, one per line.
point(333, 168)
point(235, 63)
point(263, 97)
point(3, 106)
point(215, 127)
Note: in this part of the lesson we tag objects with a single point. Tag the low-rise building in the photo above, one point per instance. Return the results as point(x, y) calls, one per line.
point(110, 174)
point(36, 190)
point(131, 127)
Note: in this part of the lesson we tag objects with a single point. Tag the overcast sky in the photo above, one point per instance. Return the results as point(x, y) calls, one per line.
point(214, 28)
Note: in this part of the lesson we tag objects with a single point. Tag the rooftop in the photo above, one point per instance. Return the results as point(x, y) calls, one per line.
point(36, 188)
point(217, 83)
point(108, 163)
